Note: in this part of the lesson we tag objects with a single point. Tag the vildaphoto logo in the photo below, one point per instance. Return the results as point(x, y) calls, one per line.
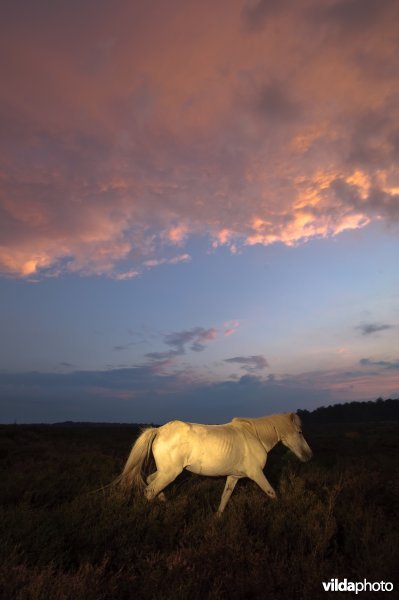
point(335, 585)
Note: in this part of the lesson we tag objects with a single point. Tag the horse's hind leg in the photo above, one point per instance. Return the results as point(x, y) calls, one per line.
point(159, 482)
point(228, 490)
point(161, 496)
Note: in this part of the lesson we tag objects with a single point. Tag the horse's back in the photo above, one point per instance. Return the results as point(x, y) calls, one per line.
point(180, 432)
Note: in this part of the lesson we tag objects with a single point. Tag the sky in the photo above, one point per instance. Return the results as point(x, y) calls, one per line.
point(199, 208)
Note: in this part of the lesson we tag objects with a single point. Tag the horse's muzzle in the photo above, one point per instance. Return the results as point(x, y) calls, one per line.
point(306, 456)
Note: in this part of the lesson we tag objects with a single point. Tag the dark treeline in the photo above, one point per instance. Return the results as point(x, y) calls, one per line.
point(351, 412)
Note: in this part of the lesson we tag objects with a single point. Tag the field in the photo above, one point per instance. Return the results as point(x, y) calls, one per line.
point(336, 517)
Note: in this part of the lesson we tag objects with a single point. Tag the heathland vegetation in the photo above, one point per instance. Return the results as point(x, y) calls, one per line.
point(336, 517)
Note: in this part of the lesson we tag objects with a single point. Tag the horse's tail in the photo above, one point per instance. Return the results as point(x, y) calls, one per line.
point(139, 455)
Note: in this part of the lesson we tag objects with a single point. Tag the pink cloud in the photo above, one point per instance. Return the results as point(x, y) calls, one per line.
point(208, 335)
point(347, 384)
point(230, 327)
point(177, 234)
point(117, 147)
point(174, 260)
point(126, 275)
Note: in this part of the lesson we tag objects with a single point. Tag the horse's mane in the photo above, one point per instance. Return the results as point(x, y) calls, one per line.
point(267, 429)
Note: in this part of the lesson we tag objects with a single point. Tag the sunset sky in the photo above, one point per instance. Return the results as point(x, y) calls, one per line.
point(199, 207)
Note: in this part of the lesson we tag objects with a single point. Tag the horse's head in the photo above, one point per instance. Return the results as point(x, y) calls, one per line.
point(293, 439)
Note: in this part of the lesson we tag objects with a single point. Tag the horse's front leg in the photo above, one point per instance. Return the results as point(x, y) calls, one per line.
point(228, 490)
point(260, 479)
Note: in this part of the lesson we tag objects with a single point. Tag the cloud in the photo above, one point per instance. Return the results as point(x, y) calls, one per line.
point(250, 363)
point(177, 234)
point(390, 365)
point(255, 14)
point(124, 275)
point(370, 328)
point(156, 393)
point(120, 347)
point(142, 394)
point(197, 337)
point(154, 262)
point(230, 327)
point(276, 103)
point(282, 131)
point(352, 14)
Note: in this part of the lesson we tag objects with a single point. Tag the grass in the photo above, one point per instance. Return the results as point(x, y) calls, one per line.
point(336, 517)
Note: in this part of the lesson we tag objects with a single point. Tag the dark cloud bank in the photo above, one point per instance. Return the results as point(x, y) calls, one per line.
point(143, 394)
point(385, 364)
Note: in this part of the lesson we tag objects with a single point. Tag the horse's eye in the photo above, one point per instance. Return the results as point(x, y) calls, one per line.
point(300, 432)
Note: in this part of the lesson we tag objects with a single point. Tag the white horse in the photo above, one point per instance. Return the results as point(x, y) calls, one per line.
point(237, 449)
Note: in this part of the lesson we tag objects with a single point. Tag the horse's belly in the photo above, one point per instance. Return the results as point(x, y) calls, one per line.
point(214, 457)
point(214, 470)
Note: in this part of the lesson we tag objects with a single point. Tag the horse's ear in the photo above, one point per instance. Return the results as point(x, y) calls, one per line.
point(295, 419)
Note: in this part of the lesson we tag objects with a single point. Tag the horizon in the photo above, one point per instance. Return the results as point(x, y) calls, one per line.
point(199, 209)
point(315, 410)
